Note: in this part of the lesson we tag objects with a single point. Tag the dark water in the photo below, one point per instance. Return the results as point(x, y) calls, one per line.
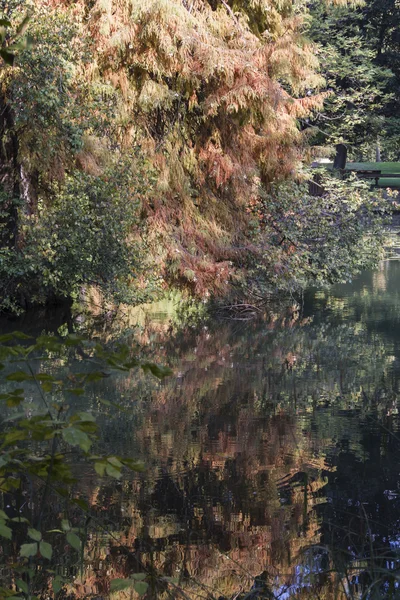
point(271, 455)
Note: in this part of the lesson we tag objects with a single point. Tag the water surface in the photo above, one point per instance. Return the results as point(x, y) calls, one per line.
point(271, 455)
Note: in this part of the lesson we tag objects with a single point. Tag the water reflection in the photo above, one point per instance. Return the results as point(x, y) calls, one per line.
point(271, 455)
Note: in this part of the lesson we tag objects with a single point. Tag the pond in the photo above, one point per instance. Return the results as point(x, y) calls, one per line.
point(272, 454)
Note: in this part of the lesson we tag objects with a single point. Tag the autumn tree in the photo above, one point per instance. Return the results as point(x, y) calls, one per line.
point(208, 96)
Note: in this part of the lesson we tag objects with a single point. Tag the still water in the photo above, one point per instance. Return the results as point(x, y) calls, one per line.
point(272, 455)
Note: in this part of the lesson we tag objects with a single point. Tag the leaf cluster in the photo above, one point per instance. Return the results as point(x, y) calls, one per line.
point(41, 441)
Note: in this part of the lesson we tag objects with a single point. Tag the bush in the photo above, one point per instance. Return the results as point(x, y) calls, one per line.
point(85, 233)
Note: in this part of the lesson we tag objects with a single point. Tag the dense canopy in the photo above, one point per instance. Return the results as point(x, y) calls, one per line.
point(158, 144)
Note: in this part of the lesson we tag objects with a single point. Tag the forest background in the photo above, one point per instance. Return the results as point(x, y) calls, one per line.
point(149, 146)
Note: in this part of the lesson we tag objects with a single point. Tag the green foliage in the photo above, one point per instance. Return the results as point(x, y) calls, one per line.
point(68, 227)
point(321, 239)
point(212, 94)
point(86, 236)
point(358, 56)
point(41, 443)
point(11, 41)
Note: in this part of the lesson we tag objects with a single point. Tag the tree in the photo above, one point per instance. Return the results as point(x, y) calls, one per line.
point(357, 52)
point(207, 96)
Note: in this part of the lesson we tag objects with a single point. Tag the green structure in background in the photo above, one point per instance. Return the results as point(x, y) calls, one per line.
point(386, 168)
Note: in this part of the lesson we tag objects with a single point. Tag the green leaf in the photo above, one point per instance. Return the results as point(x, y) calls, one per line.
point(141, 587)
point(28, 550)
point(55, 531)
point(96, 376)
point(81, 503)
point(6, 337)
point(22, 27)
point(15, 436)
point(44, 377)
point(73, 339)
point(5, 532)
point(113, 404)
point(100, 468)
point(22, 585)
point(76, 437)
point(34, 534)
point(5, 23)
point(113, 460)
point(19, 520)
point(76, 391)
point(113, 472)
point(139, 576)
point(57, 584)
point(157, 371)
point(85, 416)
point(14, 400)
point(134, 465)
point(118, 585)
point(65, 525)
point(47, 386)
point(3, 515)
point(46, 550)
point(18, 375)
point(17, 392)
point(19, 335)
point(73, 540)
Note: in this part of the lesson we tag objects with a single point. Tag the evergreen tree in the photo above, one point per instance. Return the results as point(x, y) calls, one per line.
point(358, 55)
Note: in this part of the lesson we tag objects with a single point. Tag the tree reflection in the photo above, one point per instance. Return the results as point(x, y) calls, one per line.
point(271, 455)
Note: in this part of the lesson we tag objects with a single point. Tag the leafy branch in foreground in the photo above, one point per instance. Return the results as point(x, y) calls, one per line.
point(46, 447)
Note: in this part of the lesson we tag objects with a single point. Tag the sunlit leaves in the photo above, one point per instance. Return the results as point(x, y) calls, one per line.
point(65, 525)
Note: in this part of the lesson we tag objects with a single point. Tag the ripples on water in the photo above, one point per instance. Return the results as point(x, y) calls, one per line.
point(272, 455)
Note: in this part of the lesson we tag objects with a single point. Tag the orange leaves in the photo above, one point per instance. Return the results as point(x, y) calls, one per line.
point(219, 165)
point(211, 93)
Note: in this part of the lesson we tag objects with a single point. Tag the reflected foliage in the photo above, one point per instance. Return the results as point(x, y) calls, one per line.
point(271, 456)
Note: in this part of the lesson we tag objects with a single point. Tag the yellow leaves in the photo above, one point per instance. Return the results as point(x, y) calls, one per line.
point(156, 95)
point(301, 107)
point(212, 98)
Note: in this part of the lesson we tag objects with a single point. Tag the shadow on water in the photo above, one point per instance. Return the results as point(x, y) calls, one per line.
point(272, 455)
